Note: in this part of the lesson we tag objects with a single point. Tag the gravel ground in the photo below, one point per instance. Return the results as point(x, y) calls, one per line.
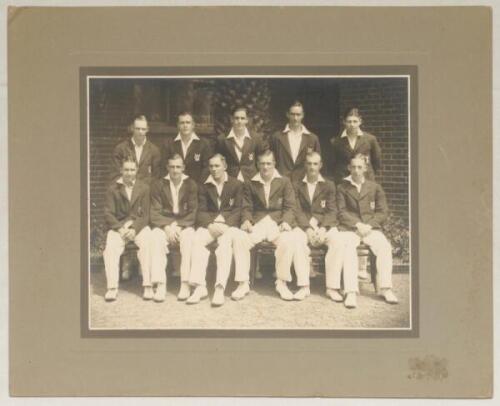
point(261, 309)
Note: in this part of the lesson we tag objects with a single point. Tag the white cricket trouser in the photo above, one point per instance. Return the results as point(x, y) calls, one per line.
point(223, 255)
point(115, 246)
point(382, 249)
point(334, 259)
point(287, 251)
point(159, 251)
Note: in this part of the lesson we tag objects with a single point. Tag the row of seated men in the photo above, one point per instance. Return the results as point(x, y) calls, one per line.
point(293, 215)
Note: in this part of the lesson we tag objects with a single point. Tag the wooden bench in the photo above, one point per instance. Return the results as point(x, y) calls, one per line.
point(317, 256)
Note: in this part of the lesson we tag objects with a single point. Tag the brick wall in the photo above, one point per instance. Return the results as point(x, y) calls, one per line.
point(384, 106)
point(382, 102)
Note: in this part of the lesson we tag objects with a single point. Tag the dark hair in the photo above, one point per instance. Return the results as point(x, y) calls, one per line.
point(363, 157)
point(185, 113)
point(175, 157)
point(239, 108)
point(220, 156)
point(314, 153)
point(266, 153)
point(352, 111)
point(141, 117)
point(296, 103)
point(129, 158)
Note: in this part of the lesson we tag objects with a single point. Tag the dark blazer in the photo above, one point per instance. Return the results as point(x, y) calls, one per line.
point(369, 206)
point(279, 144)
point(162, 204)
point(230, 207)
point(252, 148)
point(149, 166)
point(196, 159)
point(281, 202)
point(323, 206)
point(118, 209)
point(366, 144)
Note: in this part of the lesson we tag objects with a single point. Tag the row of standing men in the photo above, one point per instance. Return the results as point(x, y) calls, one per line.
point(293, 211)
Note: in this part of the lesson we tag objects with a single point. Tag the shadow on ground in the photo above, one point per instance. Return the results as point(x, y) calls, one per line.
point(261, 309)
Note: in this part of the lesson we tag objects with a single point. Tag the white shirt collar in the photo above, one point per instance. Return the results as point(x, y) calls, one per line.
point(258, 178)
point(138, 146)
point(233, 135)
point(183, 177)
point(344, 133)
point(320, 179)
point(211, 180)
point(121, 182)
point(193, 137)
point(304, 129)
point(351, 181)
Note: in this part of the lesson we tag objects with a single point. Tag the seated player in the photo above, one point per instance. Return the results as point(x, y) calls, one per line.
point(174, 203)
point(127, 217)
point(268, 215)
point(317, 225)
point(362, 211)
point(219, 214)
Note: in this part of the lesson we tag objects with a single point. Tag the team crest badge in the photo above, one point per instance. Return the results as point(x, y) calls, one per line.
point(280, 201)
point(323, 204)
point(197, 157)
point(372, 205)
point(185, 206)
point(231, 201)
point(309, 149)
point(149, 168)
point(250, 157)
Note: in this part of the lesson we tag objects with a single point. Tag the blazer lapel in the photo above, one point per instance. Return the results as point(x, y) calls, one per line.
point(303, 190)
point(286, 144)
point(353, 192)
point(212, 192)
point(303, 143)
point(317, 191)
point(135, 191)
point(259, 189)
point(182, 192)
point(364, 190)
point(275, 185)
point(225, 192)
point(191, 149)
point(231, 147)
point(123, 193)
point(178, 148)
point(168, 193)
point(145, 152)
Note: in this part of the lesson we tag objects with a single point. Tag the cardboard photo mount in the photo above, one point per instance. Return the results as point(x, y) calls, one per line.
point(451, 356)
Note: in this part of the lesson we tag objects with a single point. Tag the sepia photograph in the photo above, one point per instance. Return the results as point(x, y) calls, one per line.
point(248, 202)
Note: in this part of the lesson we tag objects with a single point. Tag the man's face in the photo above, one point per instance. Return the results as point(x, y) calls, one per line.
point(129, 172)
point(185, 124)
point(140, 129)
point(295, 115)
point(266, 166)
point(313, 166)
point(217, 168)
point(175, 168)
point(239, 120)
point(357, 168)
point(352, 124)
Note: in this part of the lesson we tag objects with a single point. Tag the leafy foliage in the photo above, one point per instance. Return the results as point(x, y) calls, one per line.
point(250, 93)
point(397, 232)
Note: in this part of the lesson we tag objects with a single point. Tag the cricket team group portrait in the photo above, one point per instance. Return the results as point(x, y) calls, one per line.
point(224, 193)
